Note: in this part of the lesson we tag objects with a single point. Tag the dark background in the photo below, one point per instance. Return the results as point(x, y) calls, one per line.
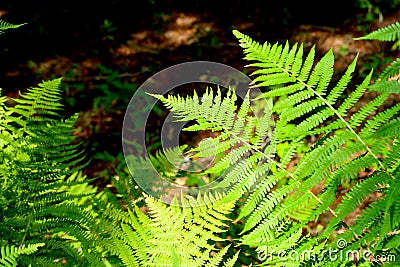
point(64, 26)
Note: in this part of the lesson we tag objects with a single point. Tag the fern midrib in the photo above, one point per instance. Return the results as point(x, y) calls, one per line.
point(337, 114)
point(279, 165)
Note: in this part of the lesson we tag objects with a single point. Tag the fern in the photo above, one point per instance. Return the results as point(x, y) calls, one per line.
point(304, 91)
point(170, 235)
point(6, 25)
point(49, 211)
point(388, 33)
point(9, 254)
point(218, 113)
point(388, 79)
point(40, 159)
point(282, 202)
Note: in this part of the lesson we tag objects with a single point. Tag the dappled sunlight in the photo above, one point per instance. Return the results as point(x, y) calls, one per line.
point(179, 29)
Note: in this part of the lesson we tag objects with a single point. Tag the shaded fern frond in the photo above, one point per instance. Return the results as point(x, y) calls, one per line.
point(391, 71)
point(9, 254)
point(391, 86)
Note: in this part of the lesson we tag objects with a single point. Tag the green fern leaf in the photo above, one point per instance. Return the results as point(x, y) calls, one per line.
point(170, 235)
point(6, 25)
point(354, 96)
point(10, 254)
point(388, 33)
point(391, 86)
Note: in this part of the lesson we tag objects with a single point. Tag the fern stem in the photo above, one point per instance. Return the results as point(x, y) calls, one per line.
point(28, 226)
point(341, 118)
point(280, 166)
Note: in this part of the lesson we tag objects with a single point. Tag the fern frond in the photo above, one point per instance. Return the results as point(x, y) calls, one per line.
point(388, 33)
point(240, 139)
point(6, 25)
point(390, 71)
point(38, 157)
point(40, 103)
point(391, 86)
point(173, 234)
point(355, 197)
point(9, 254)
point(351, 142)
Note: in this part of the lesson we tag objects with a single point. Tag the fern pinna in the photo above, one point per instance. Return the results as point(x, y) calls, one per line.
point(40, 158)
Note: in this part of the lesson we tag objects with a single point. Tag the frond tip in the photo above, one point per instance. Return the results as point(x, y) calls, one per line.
point(388, 33)
point(6, 25)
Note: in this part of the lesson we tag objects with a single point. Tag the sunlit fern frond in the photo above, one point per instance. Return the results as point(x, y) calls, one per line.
point(388, 33)
point(4, 25)
point(167, 235)
point(308, 104)
point(240, 145)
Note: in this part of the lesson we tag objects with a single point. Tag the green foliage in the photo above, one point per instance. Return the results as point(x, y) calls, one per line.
point(387, 80)
point(281, 186)
point(9, 254)
point(285, 201)
point(6, 25)
point(374, 9)
point(113, 92)
point(240, 143)
point(38, 177)
point(170, 235)
point(388, 33)
point(307, 104)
